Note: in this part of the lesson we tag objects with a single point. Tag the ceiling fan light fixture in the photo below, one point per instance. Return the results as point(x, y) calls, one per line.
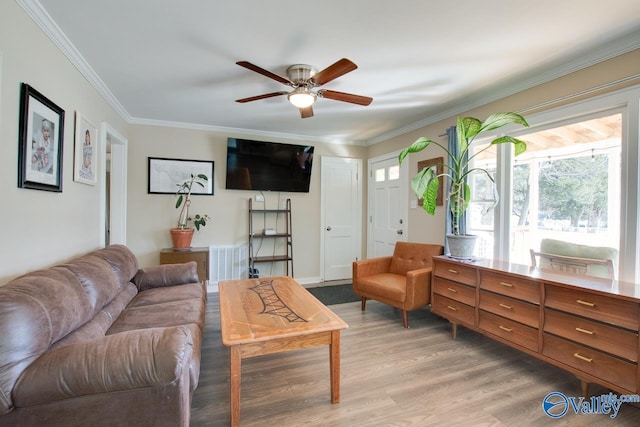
point(302, 97)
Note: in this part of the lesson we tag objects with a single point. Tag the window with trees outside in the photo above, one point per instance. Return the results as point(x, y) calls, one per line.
point(566, 186)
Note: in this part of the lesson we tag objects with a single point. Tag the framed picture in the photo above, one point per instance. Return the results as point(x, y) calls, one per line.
point(40, 142)
point(85, 160)
point(437, 165)
point(166, 175)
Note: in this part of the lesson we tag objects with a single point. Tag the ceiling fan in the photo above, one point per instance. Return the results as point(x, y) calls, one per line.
point(304, 81)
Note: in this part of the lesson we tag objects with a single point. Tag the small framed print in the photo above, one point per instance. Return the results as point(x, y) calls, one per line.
point(86, 151)
point(39, 142)
point(437, 164)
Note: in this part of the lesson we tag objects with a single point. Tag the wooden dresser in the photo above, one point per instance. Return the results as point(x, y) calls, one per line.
point(585, 325)
point(177, 256)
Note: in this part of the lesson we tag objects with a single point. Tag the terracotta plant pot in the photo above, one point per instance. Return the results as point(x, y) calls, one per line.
point(181, 237)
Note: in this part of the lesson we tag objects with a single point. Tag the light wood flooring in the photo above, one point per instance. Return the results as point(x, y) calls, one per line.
point(390, 376)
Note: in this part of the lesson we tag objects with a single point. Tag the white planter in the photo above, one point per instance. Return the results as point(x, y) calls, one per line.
point(461, 246)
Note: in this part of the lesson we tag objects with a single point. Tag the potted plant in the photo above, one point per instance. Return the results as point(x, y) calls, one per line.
point(182, 234)
point(426, 182)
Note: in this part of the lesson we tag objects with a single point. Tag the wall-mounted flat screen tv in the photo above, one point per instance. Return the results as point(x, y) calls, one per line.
point(268, 166)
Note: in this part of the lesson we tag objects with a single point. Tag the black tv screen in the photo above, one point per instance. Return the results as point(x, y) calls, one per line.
point(268, 166)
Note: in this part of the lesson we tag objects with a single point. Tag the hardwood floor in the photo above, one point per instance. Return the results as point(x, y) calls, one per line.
point(391, 376)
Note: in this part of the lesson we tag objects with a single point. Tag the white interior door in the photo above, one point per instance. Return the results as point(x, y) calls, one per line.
point(388, 199)
point(341, 200)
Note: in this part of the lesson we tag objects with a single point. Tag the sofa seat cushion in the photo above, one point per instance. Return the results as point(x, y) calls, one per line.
point(168, 294)
point(385, 285)
point(173, 313)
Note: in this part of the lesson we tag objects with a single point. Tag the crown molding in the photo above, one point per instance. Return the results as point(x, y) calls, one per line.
point(228, 130)
point(593, 56)
point(34, 9)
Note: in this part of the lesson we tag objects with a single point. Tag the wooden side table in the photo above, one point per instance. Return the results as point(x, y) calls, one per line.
point(199, 255)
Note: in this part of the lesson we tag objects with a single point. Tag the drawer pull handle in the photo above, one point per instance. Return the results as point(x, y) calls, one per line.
point(504, 328)
point(584, 331)
point(581, 357)
point(451, 270)
point(452, 290)
point(450, 307)
point(508, 307)
point(588, 304)
point(507, 284)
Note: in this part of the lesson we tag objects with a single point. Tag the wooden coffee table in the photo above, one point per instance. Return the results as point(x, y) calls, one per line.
point(272, 315)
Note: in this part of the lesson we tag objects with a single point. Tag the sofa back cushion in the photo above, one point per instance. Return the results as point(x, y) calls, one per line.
point(123, 262)
point(36, 310)
point(412, 256)
point(42, 307)
point(97, 278)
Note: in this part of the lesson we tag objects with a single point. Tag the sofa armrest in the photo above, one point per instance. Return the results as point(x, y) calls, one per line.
point(162, 275)
point(125, 361)
point(418, 288)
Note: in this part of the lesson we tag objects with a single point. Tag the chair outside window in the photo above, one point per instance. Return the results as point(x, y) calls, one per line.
point(576, 259)
point(402, 280)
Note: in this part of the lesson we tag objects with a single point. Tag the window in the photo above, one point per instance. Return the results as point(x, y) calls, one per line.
point(566, 186)
point(394, 172)
point(391, 173)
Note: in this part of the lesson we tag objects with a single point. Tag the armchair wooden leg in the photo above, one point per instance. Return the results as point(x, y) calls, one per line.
point(363, 303)
point(405, 319)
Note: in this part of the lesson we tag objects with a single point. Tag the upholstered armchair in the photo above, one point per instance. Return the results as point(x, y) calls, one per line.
point(402, 280)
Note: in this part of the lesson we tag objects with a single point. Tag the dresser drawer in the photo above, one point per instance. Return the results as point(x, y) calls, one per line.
point(591, 361)
point(592, 306)
point(515, 332)
point(514, 309)
point(511, 286)
point(456, 291)
point(619, 342)
point(455, 271)
point(453, 310)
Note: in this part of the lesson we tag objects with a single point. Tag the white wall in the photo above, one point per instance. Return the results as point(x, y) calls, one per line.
point(151, 215)
point(40, 228)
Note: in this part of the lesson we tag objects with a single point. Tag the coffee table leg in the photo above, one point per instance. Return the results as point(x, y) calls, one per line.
point(334, 366)
point(235, 366)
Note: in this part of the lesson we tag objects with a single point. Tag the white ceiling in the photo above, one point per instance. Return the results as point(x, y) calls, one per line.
point(173, 62)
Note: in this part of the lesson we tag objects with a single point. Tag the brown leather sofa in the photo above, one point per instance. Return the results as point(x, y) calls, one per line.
point(402, 280)
point(97, 342)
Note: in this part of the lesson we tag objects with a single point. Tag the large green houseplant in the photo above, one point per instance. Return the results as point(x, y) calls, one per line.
point(426, 182)
point(182, 234)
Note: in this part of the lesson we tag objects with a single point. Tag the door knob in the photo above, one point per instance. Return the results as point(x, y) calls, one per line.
point(329, 228)
point(399, 232)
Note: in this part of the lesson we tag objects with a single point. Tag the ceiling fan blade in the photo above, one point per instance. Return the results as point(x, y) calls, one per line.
point(345, 97)
point(306, 112)
point(339, 68)
point(266, 95)
point(259, 70)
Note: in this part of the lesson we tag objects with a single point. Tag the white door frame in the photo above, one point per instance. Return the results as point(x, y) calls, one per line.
point(404, 195)
point(323, 221)
point(118, 186)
